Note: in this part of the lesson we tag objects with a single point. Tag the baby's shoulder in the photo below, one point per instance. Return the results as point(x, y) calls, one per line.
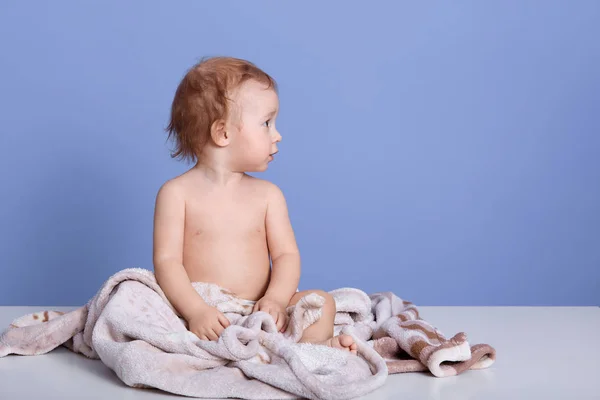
point(174, 191)
point(173, 186)
point(264, 187)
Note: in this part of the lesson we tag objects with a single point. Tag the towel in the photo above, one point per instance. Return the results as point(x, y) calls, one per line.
point(131, 326)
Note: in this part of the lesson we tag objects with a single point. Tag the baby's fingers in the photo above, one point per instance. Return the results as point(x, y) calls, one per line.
point(285, 324)
point(280, 321)
point(223, 320)
point(273, 314)
point(218, 329)
point(212, 335)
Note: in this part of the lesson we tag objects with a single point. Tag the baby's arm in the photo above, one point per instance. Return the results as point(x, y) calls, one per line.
point(285, 273)
point(169, 220)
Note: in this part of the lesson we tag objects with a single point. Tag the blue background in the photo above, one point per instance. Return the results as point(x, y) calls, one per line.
point(449, 153)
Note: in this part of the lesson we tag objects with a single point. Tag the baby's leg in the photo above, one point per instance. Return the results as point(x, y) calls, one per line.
point(321, 332)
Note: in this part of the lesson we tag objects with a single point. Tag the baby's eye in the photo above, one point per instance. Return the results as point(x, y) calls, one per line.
point(266, 123)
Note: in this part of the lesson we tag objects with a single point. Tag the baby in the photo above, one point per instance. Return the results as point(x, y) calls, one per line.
point(214, 223)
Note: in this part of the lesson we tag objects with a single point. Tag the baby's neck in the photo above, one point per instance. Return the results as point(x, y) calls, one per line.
point(218, 175)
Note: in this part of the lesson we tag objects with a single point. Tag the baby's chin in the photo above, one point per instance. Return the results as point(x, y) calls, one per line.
point(259, 168)
point(255, 165)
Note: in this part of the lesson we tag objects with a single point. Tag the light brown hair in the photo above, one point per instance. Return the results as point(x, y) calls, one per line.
point(202, 98)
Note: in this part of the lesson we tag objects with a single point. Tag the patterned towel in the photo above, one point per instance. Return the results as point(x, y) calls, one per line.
point(131, 326)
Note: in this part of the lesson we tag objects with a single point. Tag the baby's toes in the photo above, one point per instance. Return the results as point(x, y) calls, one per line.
point(347, 341)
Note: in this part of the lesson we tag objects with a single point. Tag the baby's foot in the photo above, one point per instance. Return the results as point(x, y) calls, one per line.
point(343, 342)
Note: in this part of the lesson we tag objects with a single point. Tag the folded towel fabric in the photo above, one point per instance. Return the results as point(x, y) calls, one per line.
point(132, 328)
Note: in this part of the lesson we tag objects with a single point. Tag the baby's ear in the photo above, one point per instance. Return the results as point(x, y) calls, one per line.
point(219, 134)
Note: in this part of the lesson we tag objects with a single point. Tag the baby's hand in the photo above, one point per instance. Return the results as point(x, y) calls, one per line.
point(275, 309)
point(208, 323)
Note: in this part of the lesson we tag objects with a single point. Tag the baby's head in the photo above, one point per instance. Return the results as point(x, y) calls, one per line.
point(224, 111)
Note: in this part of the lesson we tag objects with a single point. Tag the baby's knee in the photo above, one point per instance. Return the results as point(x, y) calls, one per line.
point(329, 300)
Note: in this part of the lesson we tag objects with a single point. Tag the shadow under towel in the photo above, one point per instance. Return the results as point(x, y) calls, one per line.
point(132, 328)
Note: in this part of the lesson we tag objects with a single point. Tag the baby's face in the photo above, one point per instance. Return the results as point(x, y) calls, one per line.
point(253, 145)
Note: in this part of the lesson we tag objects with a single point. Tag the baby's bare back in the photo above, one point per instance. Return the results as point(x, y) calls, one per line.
point(225, 238)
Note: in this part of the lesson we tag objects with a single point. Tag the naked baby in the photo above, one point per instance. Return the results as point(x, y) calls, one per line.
point(217, 224)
